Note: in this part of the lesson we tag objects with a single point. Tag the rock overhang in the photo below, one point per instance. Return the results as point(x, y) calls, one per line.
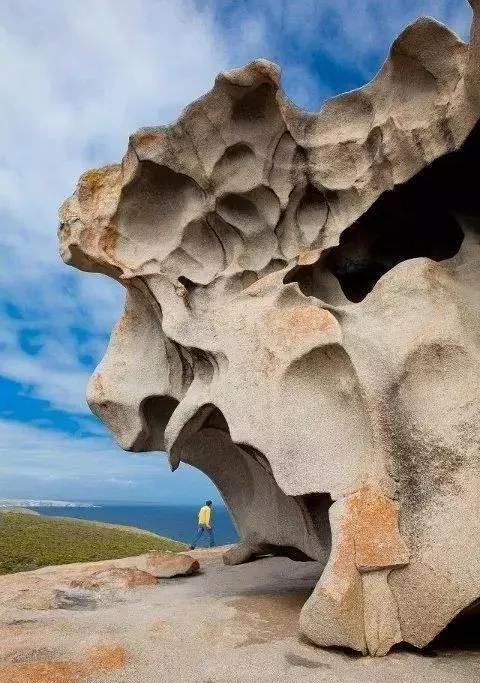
point(243, 351)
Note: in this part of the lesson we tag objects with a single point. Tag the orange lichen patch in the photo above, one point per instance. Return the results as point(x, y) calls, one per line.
point(96, 177)
point(308, 257)
point(343, 565)
point(40, 672)
point(98, 192)
point(108, 239)
point(99, 659)
point(300, 321)
point(368, 539)
point(374, 522)
point(262, 285)
point(303, 320)
point(103, 658)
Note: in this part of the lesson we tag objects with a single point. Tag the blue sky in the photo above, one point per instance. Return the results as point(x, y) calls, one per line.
point(77, 78)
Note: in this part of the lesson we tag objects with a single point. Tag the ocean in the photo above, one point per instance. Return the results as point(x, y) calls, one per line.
point(174, 521)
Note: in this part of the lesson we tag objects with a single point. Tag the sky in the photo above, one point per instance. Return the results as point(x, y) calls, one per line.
point(78, 77)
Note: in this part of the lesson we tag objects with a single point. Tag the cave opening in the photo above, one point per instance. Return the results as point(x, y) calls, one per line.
point(419, 218)
point(269, 521)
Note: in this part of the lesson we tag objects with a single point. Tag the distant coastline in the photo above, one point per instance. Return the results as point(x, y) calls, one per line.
point(178, 522)
point(31, 503)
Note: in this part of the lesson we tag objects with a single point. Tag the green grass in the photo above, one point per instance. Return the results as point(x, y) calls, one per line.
point(31, 541)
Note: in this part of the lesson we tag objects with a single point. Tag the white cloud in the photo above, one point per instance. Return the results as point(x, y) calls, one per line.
point(363, 25)
point(81, 77)
point(78, 78)
point(353, 34)
point(48, 464)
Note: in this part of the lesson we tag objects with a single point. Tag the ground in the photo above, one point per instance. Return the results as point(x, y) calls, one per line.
point(224, 625)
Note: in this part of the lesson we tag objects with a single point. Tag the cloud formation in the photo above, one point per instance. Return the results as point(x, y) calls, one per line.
point(80, 78)
point(48, 464)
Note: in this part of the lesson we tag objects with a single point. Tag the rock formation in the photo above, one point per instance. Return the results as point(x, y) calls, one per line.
point(302, 323)
point(70, 586)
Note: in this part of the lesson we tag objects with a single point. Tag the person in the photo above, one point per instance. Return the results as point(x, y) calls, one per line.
point(204, 524)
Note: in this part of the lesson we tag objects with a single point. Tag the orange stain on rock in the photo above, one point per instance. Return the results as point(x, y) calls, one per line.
point(302, 321)
point(40, 672)
point(98, 659)
point(147, 137)
point(369, 537)
point(306, 258)
point(306, 319)
point(97, 177)
point(106, 658)
point(9, 630)
point(378, 542)
point(108, 240)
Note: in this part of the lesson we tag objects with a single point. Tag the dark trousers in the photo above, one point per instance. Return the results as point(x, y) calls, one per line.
point(201, 529)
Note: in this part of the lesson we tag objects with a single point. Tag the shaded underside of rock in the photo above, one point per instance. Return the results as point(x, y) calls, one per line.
point(302, 324)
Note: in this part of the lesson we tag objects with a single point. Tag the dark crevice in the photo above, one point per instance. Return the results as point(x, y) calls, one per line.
point(216, 420)
point(417, 219)
point(463, 633)
point(317, 506)
point(156, 411)
point(188, 284)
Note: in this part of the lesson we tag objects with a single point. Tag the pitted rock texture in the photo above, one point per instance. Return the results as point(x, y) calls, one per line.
point(302, 324)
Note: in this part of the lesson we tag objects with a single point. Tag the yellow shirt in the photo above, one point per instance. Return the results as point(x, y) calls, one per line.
point(204, 515)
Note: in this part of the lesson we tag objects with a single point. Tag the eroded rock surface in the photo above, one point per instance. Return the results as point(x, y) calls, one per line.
point(165, 566)
point(114, 577)
point(84, 585)
point(302, 324)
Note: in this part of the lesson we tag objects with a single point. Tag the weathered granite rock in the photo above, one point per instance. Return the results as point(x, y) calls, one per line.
point(302, 323)
point(115, 577)
point(167, 565)
point(85, 585)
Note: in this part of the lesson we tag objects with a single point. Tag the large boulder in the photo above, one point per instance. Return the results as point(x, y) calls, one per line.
point(168, 565)
point(302, 323)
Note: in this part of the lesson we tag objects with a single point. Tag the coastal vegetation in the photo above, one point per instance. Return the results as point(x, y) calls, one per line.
point(30, 541)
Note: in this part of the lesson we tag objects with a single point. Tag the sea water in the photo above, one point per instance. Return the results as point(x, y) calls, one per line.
point(174, 521)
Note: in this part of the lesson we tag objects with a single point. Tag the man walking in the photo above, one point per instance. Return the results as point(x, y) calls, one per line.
point(204, 524)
